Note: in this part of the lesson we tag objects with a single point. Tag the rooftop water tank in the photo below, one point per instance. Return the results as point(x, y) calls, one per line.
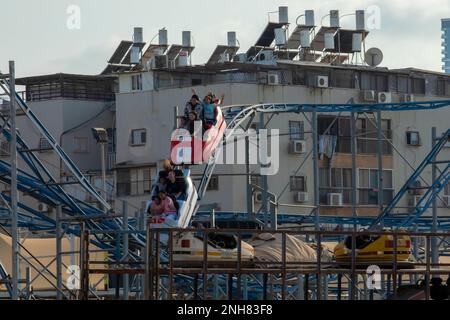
point(328, 38)
point(334, 18)
point(283, 15)
point(186, 39)
point(356, 42)
point(135, 55)
point(138, 36)
point(280, 37)
point(183, 59)
point(163, 41)
point(360, 20)
point(305, 39)
point(232, 40)
point(309, 18)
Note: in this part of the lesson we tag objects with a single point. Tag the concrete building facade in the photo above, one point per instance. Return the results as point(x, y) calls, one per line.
point(407, 134)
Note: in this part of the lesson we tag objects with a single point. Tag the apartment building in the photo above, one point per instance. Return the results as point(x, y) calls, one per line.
point(145, 120)
point(69, 106)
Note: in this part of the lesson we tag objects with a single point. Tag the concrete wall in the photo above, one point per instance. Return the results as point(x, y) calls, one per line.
point(60, 116)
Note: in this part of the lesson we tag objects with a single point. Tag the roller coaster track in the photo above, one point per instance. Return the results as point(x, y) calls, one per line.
point(237, 115)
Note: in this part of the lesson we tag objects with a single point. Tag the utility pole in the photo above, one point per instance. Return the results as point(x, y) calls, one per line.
point(14, 192)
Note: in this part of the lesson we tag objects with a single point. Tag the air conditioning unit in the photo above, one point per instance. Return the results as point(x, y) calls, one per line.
point(446, 201)
point(240, 57)
point(321, 82)
point(384, 97)
point(265, 56)
point(258, 197)
point(335, 199)
point(369, 96)
point(301, 197)
point(407, 98)
point(42, 207)
point(273, 79)
point(297, 147)
point(160, 62)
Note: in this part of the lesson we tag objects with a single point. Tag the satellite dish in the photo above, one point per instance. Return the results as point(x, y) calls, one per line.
point(373, 57)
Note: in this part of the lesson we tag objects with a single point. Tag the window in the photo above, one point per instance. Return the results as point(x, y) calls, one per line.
point(44, 146)
point(367, 142)
point(412, 138)
point(81, 144)
point(443, 87)
point(298, 183)
point(377, 82)
point(134, 182)
point(335, 180)
point(447, 189)
point(196, 82)
point(138, 137)
point(111, 140)
point(296, 130)
point(402, 84)
point(213, 183)
point(368, 189)
point(418, 85)
point(136, 82)
point(336, 126)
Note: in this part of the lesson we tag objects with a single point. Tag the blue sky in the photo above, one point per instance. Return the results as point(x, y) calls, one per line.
point(37, 38)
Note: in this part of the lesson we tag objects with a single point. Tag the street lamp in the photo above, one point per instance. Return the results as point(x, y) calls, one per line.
point(101, 136)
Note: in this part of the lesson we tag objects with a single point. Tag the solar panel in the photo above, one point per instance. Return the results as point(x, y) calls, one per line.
point(342, 38)
point(121, 51)
point(127, 59)
point(153, 48)
point(294, 38)
point(220, 51)
point(345, 38)
point(268, 35)
point(286, 54)
point(173, 51)
point(253, 51)
point(188, 49)
point(333, 58)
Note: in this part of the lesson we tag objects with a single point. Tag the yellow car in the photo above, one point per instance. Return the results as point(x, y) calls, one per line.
point(374, 249)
